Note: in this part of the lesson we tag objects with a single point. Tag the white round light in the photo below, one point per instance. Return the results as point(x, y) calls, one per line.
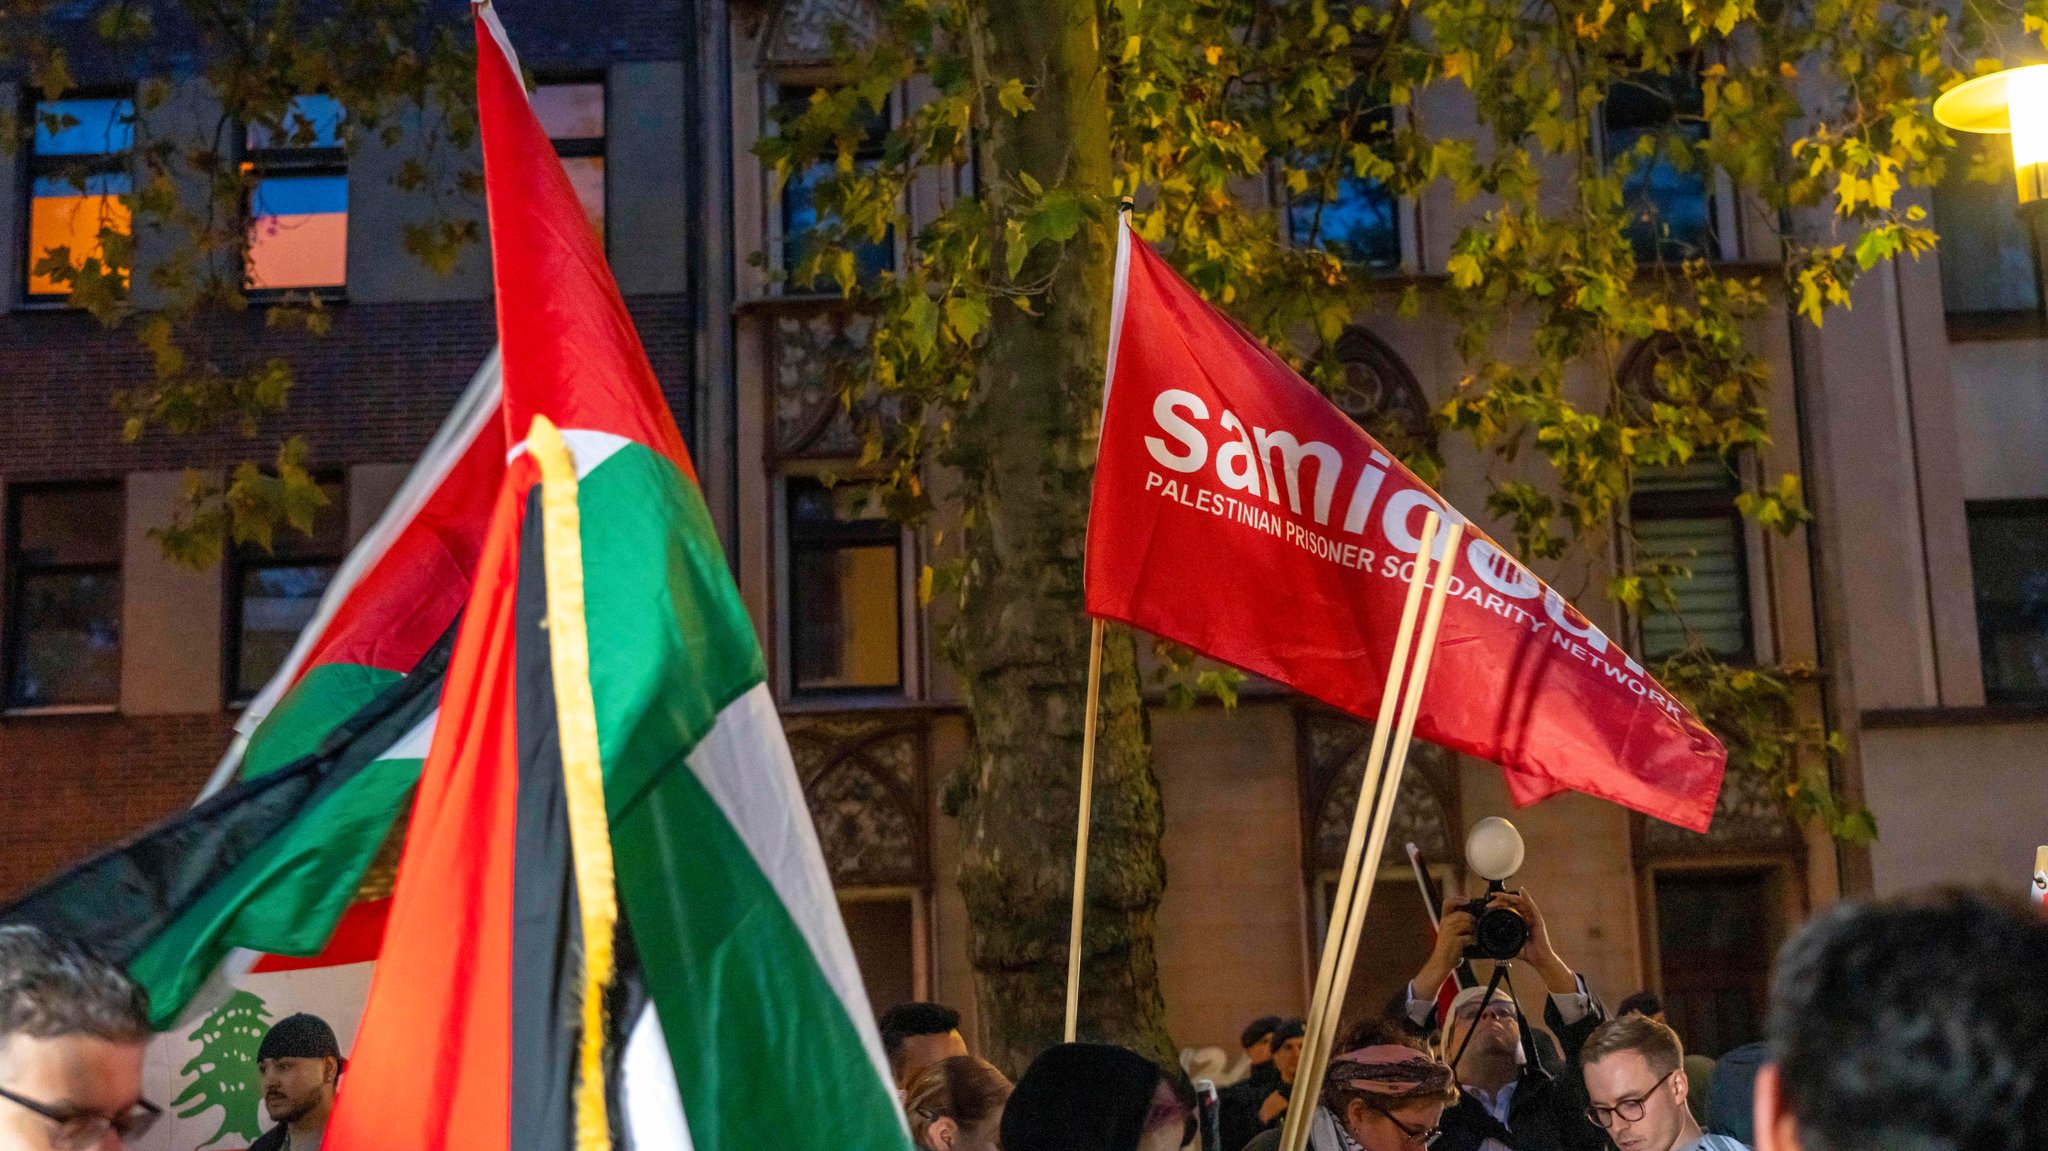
point(1494, 848)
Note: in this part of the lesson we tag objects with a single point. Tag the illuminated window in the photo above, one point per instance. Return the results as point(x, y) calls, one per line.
point(64, 596)
point(1352, 216)
point(845, 605)
point(573, 115)
point(273, 594)
point(1686, 516)
point(298, 198)
point(1652, 127)
point(77, 177)
point(801, 216)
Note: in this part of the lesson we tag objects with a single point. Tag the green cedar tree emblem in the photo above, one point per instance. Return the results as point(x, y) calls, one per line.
point(224, 1071)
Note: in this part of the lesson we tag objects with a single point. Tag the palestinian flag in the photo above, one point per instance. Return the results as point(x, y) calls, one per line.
point(608, 801)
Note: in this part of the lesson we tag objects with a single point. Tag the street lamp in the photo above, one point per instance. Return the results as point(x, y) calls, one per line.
point(2013, 103)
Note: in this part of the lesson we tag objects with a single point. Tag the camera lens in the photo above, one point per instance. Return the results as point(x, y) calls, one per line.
point(1500, 934)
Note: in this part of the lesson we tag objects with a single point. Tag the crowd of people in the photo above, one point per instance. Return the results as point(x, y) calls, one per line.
point(1904, 1025)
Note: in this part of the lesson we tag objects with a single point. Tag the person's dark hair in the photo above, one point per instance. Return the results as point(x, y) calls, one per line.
point(1915, 1025)
point(1641, 1003)
point(1288, 1029)
point(50, 987)
point(906, 1020)
point(1258, 1029)
point(1656, 1043)
point(1081, 1097)
point(967, 1090)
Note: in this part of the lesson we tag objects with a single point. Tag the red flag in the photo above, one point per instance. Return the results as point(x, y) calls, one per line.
point(1237, 511)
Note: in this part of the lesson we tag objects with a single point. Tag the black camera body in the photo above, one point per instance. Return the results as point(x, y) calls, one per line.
point(1498, 932)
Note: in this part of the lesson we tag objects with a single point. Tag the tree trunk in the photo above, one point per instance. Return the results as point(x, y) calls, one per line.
point(1026, 454)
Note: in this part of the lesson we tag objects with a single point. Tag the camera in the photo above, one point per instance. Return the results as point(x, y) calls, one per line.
point(1498, 932)
point(1493, 849)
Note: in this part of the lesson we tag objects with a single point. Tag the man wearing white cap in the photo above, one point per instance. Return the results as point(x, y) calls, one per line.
point(1504, 1104)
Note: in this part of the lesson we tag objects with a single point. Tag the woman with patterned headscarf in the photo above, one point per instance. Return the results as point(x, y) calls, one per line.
point(1383, 1094)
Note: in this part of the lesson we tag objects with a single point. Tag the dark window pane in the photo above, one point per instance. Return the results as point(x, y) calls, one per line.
point(2009, 564)
point(845, 608)
point(800, 213)
point(277, 602)
point(308, 122)
point(883, 935)
point(570, 111)
point(328, 541)
point(68, 526)
point(298, 234)
point(83, 127)
point(1987, 259)
point(1359, 225)
point(69, 639)
point(1651, 129)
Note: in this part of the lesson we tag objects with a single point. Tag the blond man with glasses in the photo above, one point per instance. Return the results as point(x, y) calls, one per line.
point(1636, 1082)
point(72, 1031)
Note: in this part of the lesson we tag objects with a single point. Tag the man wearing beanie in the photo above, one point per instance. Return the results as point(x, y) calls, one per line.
point(299, 1063)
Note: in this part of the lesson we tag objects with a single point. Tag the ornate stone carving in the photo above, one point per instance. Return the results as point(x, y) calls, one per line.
point(1333, 748)
point(1380, 394)
point(864, 778)
point(1747, 818)
point(810, 33)
point(813, 353)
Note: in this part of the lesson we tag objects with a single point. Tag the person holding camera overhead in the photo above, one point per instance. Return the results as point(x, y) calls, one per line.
point(1505, 1103)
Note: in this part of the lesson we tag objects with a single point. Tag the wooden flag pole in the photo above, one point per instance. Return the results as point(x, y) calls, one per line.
point(1081, 832)
point(1315, 1061)
point(1294, 1131)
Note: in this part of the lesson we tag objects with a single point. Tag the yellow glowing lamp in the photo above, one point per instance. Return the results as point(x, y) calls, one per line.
point(2012, 102)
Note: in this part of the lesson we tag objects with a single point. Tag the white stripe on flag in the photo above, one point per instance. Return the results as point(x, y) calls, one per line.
point(647, 1090)
point(743, 762)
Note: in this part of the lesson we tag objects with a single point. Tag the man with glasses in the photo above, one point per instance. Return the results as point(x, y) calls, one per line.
point(1504, 1104)
point(72, 1031)
point(1637, 1089)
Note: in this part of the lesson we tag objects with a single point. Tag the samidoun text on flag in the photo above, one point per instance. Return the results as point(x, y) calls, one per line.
point(1236, 510)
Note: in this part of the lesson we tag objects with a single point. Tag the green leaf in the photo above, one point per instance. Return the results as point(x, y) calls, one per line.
point(1012, 97)
point(967, 316)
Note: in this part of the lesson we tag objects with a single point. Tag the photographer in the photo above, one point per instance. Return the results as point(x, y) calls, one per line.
point(1504, 1104)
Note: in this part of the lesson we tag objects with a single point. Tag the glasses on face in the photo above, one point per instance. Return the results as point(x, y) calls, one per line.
point(1411, 1136)
point(82, 1131)
point(1629, 1110)
point(1497, 1010)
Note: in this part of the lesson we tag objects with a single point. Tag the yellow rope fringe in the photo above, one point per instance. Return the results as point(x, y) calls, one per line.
point(582, 769)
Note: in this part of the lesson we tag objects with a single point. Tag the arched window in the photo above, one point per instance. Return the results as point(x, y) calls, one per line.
point(1381, 395)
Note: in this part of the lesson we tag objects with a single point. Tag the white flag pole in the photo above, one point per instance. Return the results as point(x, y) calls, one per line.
point(1294, 1132)
point(1081, 832)
point(1315, 1059)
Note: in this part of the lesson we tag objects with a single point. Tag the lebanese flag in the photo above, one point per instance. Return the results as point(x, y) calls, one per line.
point(1237, 511)
point(736, 1017)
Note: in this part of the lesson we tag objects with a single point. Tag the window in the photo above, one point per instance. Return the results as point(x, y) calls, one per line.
point(64, 596)
point(298, 198)
point(1990, 282)
point(1352, 216)
point(573, 116)
point(2009, 564)
point(1716, 934)
point(845, 606)
point(273, 594)
point(1685, 516)
point(77, 177)
point(800, 213)
point(1651, 126)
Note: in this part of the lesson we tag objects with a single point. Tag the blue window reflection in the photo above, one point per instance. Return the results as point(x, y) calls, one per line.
point(1669, 201)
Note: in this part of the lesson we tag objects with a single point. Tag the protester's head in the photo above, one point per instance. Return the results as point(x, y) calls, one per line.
point(956, 1104)
point(1093, 1097)
point(1910, 1025)
point(72, 1031)
point(299, 1063)
point(1644, 1003)
point(1386, 1091)
point(1257, 1039)
point(1636, 1084)
point(1491, 1023)
point(1287, 1048)
point(917, 1035)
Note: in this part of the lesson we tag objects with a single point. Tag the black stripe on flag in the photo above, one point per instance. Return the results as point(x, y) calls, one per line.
point(123, 898)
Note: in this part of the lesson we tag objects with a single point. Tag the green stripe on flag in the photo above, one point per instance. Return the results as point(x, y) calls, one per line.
point(758, 998)
point(321, 701)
